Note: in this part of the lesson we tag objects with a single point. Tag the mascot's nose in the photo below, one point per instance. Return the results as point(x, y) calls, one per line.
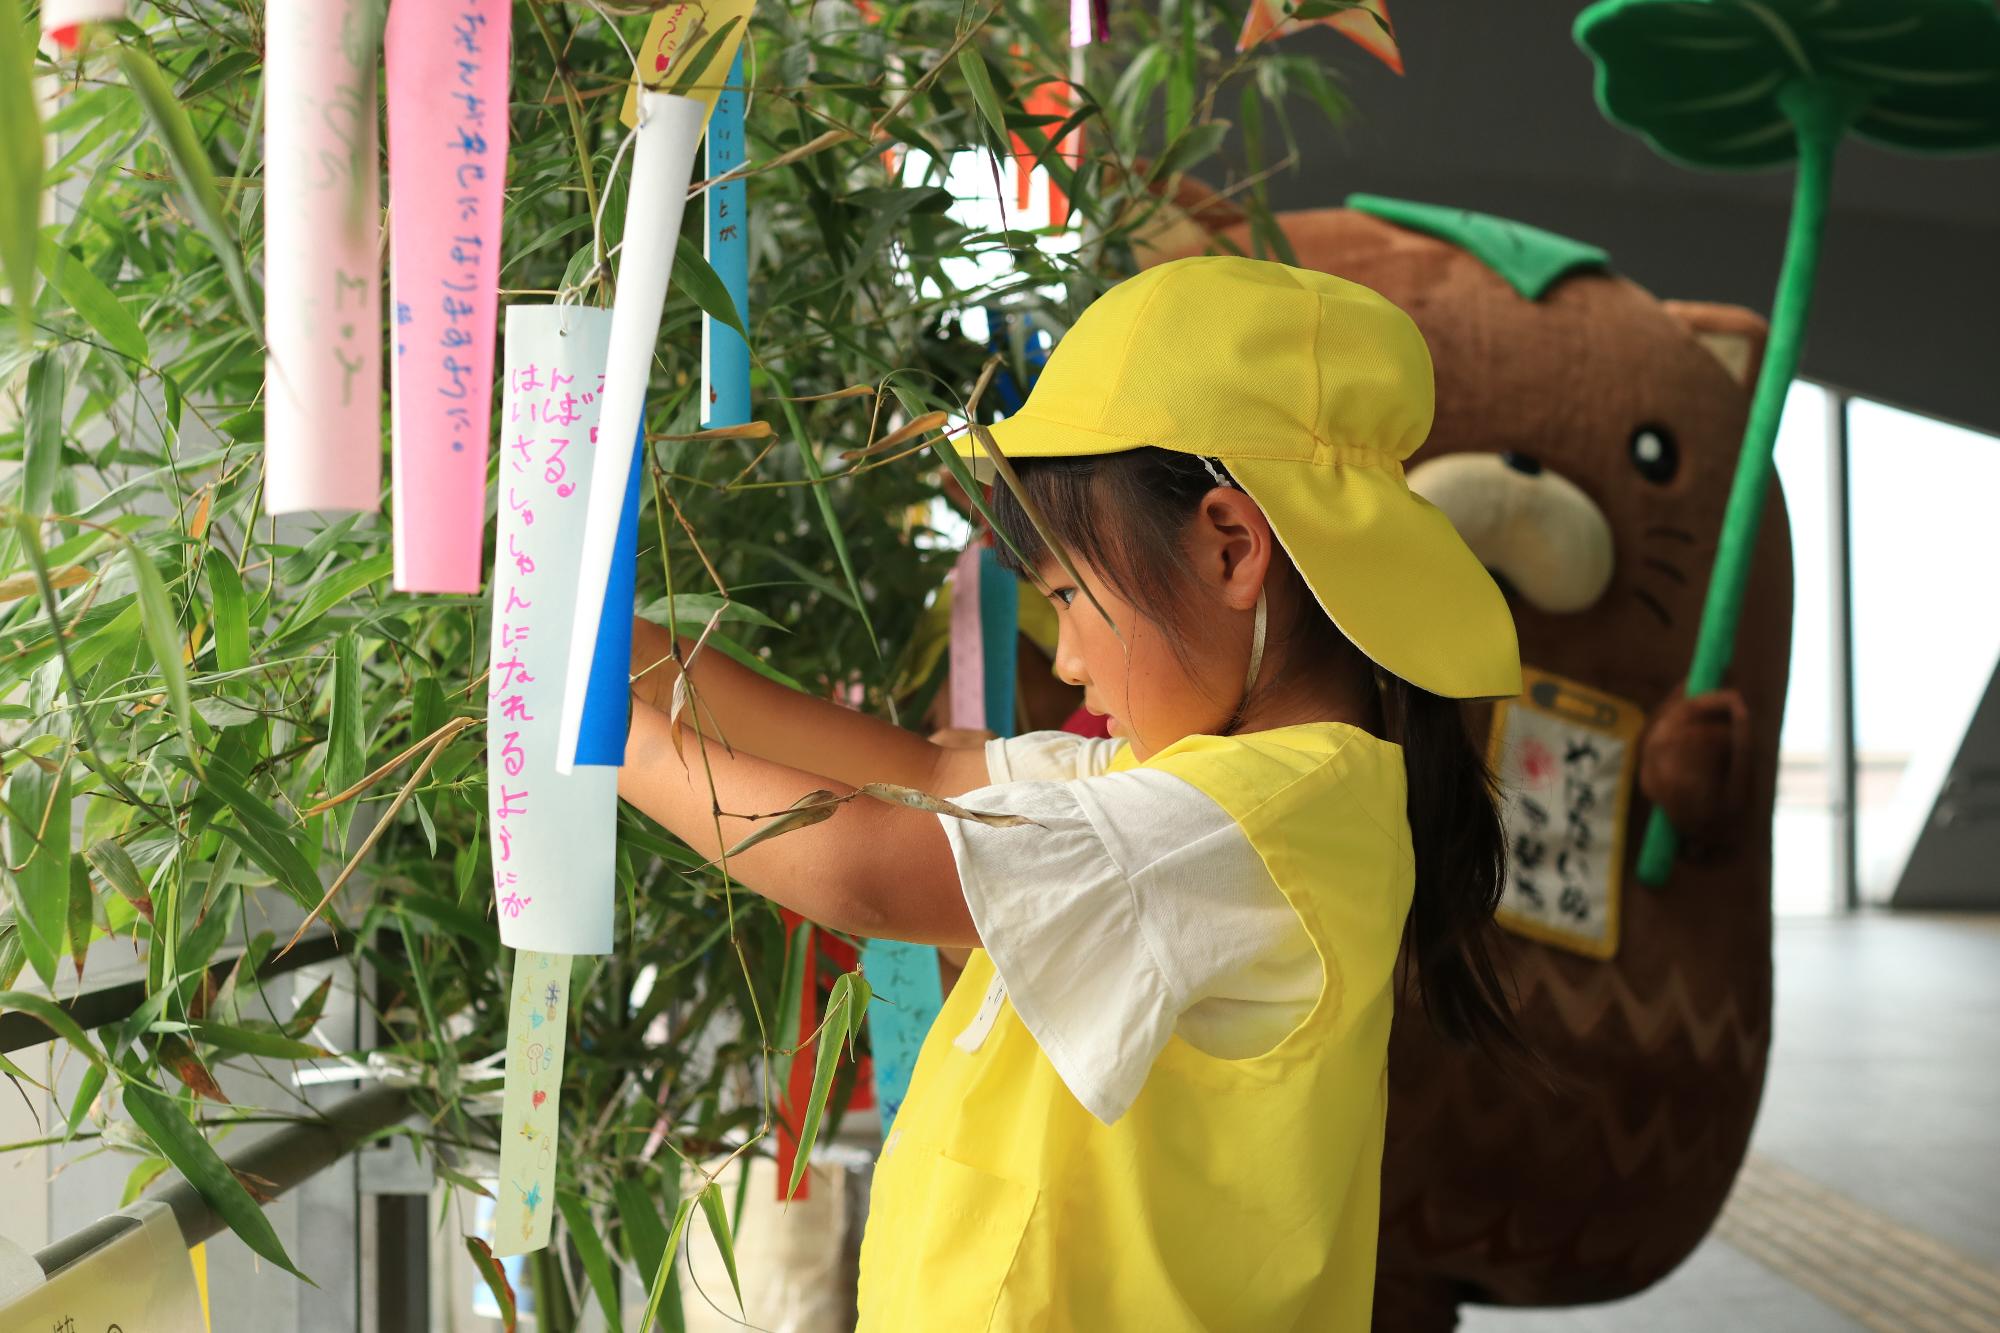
point(1534, 527)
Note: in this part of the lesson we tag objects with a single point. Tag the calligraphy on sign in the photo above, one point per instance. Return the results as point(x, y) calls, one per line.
point(1564, 756)
point(595, 700)
point(447, 70)
point(322, 271)
point(554, 834)
point(531, 1101)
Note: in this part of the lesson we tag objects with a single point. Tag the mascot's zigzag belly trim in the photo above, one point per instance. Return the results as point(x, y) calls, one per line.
point(1583, 1006)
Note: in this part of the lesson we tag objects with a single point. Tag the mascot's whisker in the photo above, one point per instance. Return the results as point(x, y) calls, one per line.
point(1653, 604)
point(1667, 567)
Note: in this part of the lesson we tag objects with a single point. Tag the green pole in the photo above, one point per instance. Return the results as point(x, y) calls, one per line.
point(1819, 114)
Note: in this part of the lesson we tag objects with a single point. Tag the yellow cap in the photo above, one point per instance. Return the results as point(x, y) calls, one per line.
point(1311, 390)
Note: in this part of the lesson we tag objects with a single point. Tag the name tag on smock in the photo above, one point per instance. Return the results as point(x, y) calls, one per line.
point(1564, 754)
point(975, 1032)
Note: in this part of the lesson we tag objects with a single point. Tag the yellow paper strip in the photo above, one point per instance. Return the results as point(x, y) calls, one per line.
point(676, 31)
point(530, 1114)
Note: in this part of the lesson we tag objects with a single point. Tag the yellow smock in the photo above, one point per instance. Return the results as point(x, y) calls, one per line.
point(1234, 1194)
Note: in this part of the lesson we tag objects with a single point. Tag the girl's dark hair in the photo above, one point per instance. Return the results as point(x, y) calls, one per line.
point(1125, 514)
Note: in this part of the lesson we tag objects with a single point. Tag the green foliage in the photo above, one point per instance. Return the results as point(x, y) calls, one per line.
point(187, 684)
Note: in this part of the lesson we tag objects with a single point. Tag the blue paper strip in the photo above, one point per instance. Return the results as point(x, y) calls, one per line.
point(608, 697)
point(999, 625)
point(725, 356)
point(907, 974)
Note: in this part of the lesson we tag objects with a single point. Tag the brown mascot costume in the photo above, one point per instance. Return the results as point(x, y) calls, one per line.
point(1585, 439)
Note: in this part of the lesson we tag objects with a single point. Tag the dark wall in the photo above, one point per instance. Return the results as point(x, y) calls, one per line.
point(1496, 114)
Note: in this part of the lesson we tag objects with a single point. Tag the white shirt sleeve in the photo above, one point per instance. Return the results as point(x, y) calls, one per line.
point(1049, 756)
point(1135, 908)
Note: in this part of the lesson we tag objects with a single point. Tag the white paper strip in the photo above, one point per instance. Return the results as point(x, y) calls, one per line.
point(60, 14)
point(662, 166)
point(322, 257)
point(554, 834)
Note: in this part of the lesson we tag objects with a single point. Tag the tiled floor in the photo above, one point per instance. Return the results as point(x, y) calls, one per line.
point(1872, 1200)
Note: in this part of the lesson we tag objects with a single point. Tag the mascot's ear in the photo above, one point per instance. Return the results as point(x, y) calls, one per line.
point(1733, 335)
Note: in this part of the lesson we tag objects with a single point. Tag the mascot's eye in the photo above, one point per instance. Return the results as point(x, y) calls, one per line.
point(1655, 454)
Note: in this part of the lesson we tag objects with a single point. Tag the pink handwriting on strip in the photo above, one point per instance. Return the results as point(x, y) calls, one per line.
point(447, 68)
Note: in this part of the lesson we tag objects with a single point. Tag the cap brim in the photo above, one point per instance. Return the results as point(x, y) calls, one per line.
point(1392, 573)
point(1025, 435)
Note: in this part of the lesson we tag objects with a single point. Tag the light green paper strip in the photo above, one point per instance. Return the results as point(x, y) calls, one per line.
point(530, 1112)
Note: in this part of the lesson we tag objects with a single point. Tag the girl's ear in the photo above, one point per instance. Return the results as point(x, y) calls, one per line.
point(1232, 546)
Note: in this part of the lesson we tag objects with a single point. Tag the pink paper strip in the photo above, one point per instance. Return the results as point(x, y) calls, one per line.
point(968, 650)
point(322, 265)
point(447, 66)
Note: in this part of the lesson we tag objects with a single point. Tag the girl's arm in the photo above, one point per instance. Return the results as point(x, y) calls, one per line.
point(793, 729)
point(872, 869)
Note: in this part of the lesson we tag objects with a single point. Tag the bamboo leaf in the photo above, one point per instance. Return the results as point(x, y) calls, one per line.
point(93, 302)
point(979, 80)
point(496, 1279)
point(228, 612)
point(831, 521)
point(112, 863)
point(221, 713)
point(246, 1040)
point(833, 1030)
point(937, 805)
point(79, 913)
point(55, 1017)
point(1189, 150)
point(262, 835)
point(902, 435)
point(329, 592)
point(346, 741)
point(38, 844)
point(815, 807)
point(183, 1145)
point(179, 1059)
point(21, 161)
point(663, 1277)
point(163, 636)
point(87, 1089)
point(190, 165)
point(41, 447)
point(582, 1228)
point(694, 275)
point(718, 1227)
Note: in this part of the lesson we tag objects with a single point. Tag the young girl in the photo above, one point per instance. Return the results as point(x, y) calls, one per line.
point(1155, 1099)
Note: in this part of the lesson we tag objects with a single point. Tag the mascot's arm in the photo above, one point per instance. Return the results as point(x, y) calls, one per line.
point(1694, 763)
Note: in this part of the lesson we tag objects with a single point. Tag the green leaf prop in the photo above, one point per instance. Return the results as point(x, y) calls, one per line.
point(1736, 84)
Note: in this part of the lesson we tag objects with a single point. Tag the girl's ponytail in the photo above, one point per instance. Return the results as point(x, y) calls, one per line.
point(1461, 854)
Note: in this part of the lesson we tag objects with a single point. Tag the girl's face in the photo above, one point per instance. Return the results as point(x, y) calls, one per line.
point(1152, 695)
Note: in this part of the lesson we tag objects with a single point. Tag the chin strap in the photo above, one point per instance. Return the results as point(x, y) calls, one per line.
point(1256, 647)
